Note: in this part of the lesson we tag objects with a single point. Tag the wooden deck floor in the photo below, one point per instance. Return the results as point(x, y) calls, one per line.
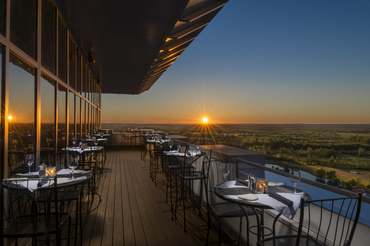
point(132, 211)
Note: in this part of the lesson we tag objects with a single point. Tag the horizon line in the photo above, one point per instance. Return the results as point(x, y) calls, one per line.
point(240, 123)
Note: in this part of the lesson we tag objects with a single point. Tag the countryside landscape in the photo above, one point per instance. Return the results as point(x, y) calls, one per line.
point(335, 154)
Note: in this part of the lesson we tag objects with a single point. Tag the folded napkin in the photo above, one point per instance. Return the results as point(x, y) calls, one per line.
point(243, 182)
point(66, 171)
point(281, 199)
point(232, 184)
point(31, 174)
point(267, 200)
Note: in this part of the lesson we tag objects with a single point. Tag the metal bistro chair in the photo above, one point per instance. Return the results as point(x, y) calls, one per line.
point(191, 173)
point(230, 208)
point(323, 222)
point(35, 214)
point(155, 159)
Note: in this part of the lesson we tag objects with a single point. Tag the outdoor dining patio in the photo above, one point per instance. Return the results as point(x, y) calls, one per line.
point(164, 193)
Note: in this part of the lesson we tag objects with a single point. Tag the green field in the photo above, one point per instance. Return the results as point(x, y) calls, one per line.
point(340, 153)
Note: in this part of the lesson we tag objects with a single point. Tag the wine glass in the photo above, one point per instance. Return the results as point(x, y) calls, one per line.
point(226, 173)
point(29, 162)
point(74, 142)
point(297, 181)
point(74, 164)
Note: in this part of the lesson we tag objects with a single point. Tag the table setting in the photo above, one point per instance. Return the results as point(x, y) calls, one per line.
point(44, 178)
point(83, 149)
point(262, 194)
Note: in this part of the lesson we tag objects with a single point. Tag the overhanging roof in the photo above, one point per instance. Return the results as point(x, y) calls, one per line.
point(135, 42)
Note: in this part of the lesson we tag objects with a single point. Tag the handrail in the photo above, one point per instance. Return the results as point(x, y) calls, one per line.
point(304, 180)
point(331, 188)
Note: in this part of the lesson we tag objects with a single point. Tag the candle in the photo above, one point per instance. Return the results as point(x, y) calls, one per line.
point(261, 186)
point(51, 171)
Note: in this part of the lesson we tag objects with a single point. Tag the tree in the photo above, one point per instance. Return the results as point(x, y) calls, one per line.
point(361, 151)
point(321, 173)
point(331, 174)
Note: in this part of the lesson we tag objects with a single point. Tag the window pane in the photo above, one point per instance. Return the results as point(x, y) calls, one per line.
point(87, 118)
point(78, 117)
point(1, 80)
point(62, 50)
point(23, 25)
point(47, 136)
point(49, 31)
point(71, 107)
point(21, 116)
point(61, 117)
point(82, 118)
point(2, 16)
point(72, 64)
point(85, 79)
point(78, 81)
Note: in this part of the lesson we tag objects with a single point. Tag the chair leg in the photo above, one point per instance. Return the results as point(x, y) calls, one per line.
point(69, 231)
point(80, 217)
point(240, 230)
point(58, 238)
point(76, 223)
point(208, 225)
point(176, 196)
point(171, 205)
point(183, 203)
point(219, 234)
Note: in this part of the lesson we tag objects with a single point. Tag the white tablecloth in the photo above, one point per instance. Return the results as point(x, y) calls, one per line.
point(177, 153)
point(32, 184)
point(65, 171)
point(84, 150)
point(265, 199)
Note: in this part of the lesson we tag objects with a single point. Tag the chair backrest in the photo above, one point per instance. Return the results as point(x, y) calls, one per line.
point(329, 221)
point(24, 197)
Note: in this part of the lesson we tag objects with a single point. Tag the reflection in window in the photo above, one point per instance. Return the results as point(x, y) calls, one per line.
point(87, 118)
point(62, 127)
point(23, 25)
point(82, 118)
point(78, 117)
point(62, 49)
point(49, 32)
point(2, 16)
point(72, 64)
point(71, 107)
point(1, 78)
point(21, 116)
point(47, 135)
point(78, 71)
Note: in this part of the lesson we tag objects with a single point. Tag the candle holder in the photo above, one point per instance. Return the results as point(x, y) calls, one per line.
point(50, 171)
point(261, 186)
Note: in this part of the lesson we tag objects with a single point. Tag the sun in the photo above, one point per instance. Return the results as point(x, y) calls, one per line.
point(204, 120)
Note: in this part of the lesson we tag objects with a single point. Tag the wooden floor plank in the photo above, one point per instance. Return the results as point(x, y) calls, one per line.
point(98, 229)
point(118, 226)
point(129, 233)
point(133, 210)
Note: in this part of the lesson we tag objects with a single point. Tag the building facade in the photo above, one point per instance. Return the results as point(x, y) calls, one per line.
point(50, 87)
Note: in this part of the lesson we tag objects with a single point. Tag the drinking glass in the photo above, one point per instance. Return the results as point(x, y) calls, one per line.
point(29, 162)
point(226, 173)
point(297, 181)
point(73, 165)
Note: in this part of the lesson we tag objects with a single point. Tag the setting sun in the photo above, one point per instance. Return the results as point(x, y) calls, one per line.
point(205, 120)
point(10, 118)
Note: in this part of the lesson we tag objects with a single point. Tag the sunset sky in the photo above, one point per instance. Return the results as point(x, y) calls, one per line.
point(265, 61)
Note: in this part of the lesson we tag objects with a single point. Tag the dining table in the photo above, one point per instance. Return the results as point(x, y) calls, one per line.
point(83, 150)
point(279, 199)
point(33, 181)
